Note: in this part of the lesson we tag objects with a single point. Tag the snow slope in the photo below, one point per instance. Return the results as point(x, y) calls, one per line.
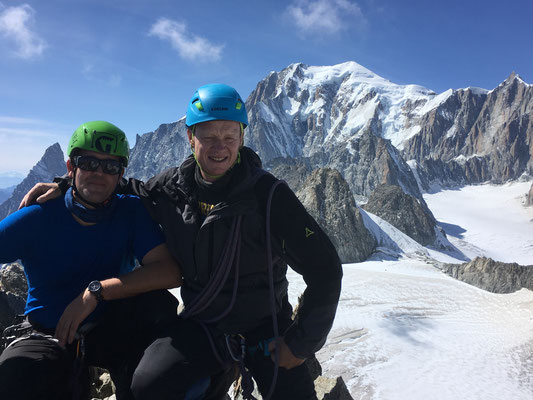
point(487, 220)
point(404, 330)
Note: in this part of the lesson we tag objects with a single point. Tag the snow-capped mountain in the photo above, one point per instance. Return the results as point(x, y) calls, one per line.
point(52, 164)
point(302, 109)
point(459, 136)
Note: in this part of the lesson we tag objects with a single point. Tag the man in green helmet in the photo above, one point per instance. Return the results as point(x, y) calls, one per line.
point(234, 227)
point(78, 253)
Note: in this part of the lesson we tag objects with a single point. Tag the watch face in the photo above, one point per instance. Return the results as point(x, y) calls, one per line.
point(94, 286)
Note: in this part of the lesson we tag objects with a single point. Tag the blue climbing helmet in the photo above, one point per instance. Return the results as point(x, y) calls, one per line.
point(216, 101)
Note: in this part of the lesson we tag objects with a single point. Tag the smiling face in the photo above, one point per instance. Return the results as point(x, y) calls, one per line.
point(94, 186)
point(216, 145)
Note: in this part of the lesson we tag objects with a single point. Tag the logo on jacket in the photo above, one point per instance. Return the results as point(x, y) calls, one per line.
point(308, 232)
point(205, 208)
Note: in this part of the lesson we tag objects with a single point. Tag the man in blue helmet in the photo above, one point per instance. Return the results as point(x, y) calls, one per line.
point(234, 228)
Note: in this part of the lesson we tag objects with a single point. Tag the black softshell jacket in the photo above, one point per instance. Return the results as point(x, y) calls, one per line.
point(296, 240)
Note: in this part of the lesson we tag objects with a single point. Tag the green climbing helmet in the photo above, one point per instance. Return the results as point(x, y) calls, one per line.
point(102, 137)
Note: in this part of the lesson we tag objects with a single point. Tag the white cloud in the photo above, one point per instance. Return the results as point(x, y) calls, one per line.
point(188, 45)
point(325, 16)
point(15, 25)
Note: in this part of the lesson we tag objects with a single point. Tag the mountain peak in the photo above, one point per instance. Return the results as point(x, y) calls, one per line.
point(51, 164)
point(514, 76)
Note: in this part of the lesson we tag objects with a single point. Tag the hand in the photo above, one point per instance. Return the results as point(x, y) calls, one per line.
point(40, 193)
point(287, 360)
point(75, 313)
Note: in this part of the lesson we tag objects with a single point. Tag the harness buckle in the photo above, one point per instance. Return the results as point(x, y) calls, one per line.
point(14, 332)
point(236, 343)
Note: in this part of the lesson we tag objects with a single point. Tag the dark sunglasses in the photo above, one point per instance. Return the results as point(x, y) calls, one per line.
point(88, 163)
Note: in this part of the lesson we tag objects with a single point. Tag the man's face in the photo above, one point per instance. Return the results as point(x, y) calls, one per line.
point(94, 186)
point(216, 144)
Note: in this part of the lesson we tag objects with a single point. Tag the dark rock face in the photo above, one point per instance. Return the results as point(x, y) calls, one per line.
point(403, 211)
point(13, 291)
point(493, 276)
point(52, 164)
point(478, 137)
point(529, 199)
point(369, 161)
point(327, 197)
point(157, 151)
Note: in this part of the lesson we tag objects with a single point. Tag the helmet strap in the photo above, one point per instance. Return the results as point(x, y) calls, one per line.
point(79, 196)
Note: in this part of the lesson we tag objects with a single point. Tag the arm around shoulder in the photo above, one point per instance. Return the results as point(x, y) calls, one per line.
point(159, 270)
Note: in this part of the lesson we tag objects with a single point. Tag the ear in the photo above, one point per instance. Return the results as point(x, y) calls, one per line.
point(190, 136)
point(70, 169)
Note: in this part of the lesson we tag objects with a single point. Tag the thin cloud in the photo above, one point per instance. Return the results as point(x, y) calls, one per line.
point(5, 119)
point(115, 80)
point(188, 46)
point(97, 74)
point(325, 16)
point(15, 25)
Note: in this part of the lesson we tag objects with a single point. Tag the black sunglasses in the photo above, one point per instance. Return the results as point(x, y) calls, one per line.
point(88, 163)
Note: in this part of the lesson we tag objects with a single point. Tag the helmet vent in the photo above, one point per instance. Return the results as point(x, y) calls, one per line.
point(198, 105)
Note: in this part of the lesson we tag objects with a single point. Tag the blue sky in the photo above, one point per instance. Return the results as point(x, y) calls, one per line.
point(136, 63)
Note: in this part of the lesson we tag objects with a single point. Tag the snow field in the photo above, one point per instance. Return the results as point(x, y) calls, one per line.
point(400, 334)
point(487, 220)
point(404, 330)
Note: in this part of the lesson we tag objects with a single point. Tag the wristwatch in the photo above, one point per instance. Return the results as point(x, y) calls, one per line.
point(95, 288)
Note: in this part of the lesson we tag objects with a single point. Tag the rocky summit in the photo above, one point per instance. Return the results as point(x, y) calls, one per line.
point(403, 211)
point(493, 276)
point(51, 164)
point(327, 197)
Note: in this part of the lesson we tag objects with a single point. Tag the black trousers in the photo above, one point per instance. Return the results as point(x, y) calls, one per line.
point(184, 355)
point(39, 369)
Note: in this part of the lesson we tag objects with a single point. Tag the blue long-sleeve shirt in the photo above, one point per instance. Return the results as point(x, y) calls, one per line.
point(61, 256)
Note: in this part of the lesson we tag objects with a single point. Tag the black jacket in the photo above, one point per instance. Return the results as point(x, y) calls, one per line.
point(197, 243)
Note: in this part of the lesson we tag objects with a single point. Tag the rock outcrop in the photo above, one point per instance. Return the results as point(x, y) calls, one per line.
point(157, 151)
point(476, 136)
point(13, 290)
point(529, 198)
point(493, 276)
point(403, 211)
point(327, 197)
point(52, 164)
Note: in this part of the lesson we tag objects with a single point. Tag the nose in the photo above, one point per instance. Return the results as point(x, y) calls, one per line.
point(99, 170)
point(218, 144)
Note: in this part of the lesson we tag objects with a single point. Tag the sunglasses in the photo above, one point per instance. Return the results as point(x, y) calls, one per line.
point(88, 163)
